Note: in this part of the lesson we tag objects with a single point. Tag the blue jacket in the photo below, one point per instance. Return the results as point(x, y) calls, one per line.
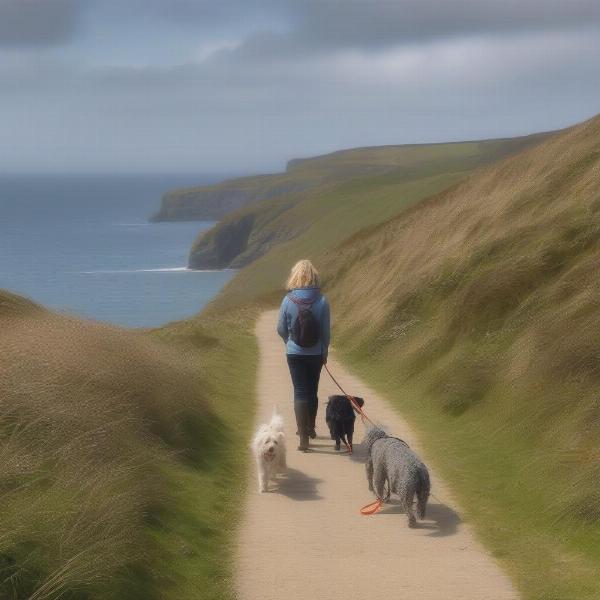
point(288, 314)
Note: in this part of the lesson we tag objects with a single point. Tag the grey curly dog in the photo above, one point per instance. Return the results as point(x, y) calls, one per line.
point(391, 461)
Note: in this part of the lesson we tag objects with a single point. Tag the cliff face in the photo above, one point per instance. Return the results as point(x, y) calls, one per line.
point(223, 245)
point(243, 235)
point(277, 210)
point(200, 204)
point(213, 202)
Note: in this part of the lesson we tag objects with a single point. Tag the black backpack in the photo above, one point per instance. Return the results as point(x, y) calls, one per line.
point(306, 331)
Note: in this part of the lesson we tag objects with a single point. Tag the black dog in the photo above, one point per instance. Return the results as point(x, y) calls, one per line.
point(340, 418)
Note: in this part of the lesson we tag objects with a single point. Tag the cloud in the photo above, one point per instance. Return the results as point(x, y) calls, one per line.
point(377, 23)
point(243, 86)
point(302, 25)
point(210, 12)
point(223, 114)
point(295, 29)
point(380, 23)
point(37, 22)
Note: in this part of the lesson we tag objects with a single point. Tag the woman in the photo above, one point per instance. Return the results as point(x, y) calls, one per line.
point(304, 326)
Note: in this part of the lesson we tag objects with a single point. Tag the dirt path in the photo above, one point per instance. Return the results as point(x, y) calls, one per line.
point(306, 540)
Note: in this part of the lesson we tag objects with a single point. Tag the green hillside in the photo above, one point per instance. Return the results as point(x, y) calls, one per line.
point(323, 184)
point(476, 312)
point(213, 202)
point(114, 446)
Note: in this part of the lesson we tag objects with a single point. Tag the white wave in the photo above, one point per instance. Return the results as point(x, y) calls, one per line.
point(162, 270)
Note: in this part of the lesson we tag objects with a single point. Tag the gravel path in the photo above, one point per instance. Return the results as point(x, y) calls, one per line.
point(306, 540)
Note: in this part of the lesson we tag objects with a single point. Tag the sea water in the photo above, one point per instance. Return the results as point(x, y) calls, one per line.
point(84, 245)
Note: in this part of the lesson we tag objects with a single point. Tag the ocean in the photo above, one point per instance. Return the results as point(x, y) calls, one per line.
point(83, 245)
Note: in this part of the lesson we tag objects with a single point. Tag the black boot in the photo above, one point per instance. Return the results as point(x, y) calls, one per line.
point(302, 421)
point(303, 445)
point(312, 418)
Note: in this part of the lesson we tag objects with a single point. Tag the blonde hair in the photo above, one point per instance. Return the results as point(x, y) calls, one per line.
point(303, 274)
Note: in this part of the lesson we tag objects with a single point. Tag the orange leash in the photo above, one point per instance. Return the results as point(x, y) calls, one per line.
point(352, 399)
point(374, 507)
point(371, 509)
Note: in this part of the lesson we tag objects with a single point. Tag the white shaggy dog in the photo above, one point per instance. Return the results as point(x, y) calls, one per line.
point(269, 450)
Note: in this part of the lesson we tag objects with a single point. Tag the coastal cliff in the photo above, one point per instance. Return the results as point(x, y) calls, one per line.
point(213, 202)
point(275, 210)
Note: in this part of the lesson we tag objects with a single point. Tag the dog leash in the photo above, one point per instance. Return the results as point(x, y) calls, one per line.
point(352, 399)
point(354, 403)
point(373, 507)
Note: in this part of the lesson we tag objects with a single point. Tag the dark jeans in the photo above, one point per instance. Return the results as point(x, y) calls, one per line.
point(305, 371)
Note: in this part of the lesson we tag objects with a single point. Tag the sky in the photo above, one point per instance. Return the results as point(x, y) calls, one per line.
point(241, 86)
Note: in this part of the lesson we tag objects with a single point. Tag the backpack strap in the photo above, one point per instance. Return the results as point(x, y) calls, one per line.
point(301, 301)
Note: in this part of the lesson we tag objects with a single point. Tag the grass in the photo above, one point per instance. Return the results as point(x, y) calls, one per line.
point(508, 484)
point(326, 221)
point(199, 530)
point(123, 455)
point(215, 201)
point(245, 235)
point(476, 313)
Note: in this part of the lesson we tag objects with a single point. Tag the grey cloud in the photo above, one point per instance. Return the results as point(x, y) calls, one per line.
point(296, 29)
point(308, 77)
point(317, 25)
point(200, 15)
point(295, 26)
point(378, 23)
point(388, 22)
point(231, 116)
point(209, 12)
point(37, 22)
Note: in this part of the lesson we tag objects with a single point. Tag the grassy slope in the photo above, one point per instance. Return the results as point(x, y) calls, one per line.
point(215, 201)
point(122, 455)
point(476, 313)
point(246, 234)
point(200, 528)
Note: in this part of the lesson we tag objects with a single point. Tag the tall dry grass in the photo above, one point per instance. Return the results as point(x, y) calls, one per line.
point(484, 301)
point(90, 416)
point(499, 275)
